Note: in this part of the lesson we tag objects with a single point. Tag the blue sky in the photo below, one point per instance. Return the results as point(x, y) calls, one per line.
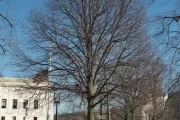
point(18, 11)
point(160, 7)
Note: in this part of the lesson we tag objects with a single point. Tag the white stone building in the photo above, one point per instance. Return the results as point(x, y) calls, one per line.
point(24, 99)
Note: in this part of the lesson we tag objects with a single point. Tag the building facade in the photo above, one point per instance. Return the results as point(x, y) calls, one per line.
point(173, 106)
point(24, 99)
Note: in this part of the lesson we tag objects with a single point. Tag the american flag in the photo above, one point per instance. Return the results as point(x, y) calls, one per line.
point(41, 76)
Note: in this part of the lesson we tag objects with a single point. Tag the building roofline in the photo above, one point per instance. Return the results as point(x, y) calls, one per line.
point(21, 82)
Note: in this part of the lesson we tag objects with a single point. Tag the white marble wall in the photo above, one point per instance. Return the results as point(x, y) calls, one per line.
point(22, 94)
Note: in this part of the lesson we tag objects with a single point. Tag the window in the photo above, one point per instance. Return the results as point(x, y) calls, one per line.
point(14, 104)
point(35, 118)
point(25, 103)
point(2, 117)
point(24, 118)
point(14, 117)
point(3, 103)
point(35, 104)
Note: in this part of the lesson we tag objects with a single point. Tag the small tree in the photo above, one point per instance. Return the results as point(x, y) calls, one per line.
point(139, 85)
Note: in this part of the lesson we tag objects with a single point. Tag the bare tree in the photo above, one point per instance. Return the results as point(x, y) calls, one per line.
point(141, 91)
point(88, 40)
point(167, 25)
point(156, 101)
point(169, 37)
point(137, 87)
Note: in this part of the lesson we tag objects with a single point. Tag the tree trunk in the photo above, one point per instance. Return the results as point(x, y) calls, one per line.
point(126, 117)
point(108, 112)
point(90, 112)
point(132, 116)
point(101, 110)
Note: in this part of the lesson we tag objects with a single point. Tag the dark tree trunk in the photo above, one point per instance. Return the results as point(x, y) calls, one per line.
point(90, 112)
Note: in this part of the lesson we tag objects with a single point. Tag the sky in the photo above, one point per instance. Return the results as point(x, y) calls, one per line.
point(160, 7)
point(18, 12)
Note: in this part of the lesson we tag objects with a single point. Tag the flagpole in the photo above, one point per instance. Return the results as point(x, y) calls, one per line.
point(49, 78)
point(50, 68)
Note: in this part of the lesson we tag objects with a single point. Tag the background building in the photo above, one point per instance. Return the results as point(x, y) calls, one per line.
point(24, 99)
point(173, 106)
